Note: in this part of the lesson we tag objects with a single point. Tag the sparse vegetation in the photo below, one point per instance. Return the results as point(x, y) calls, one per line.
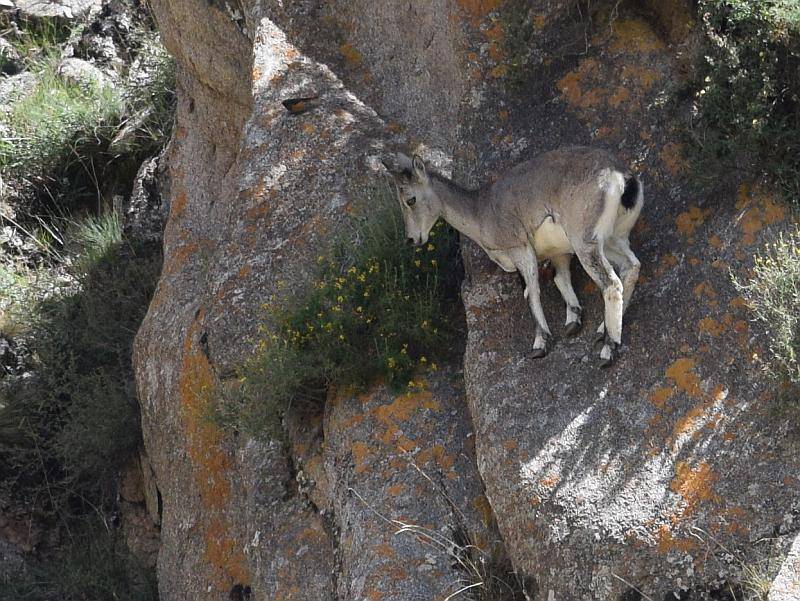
point(56, 125)
point(93, 565)
point(73, 291)
point(68, 429)
point(379, 309)
point(773, 293)
point(747, 97)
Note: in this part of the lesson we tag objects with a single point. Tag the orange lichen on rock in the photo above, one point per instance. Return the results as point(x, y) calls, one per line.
point(210, 463)
point(478, 8)
point(688, 221)
point(682, 374)
point(484, 509)
point(351, 55)
point(695, 484)
point(400, 410)
point(760, 210)
point(660, 396)
point(673, 157)
point(362, 453)
point(667, 542)
point(550, 481)
point(635, 36)
point(571, 84)
point(689, 422)
point(710, 326)
point(437, 455)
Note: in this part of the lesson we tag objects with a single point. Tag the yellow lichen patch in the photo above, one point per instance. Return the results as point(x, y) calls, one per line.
point(682, 374)
point(210, 463)
point(635, 36)
point(673, 157)
point(695, 484)
point(539, 21)
point(688, 221)
point(351, 55)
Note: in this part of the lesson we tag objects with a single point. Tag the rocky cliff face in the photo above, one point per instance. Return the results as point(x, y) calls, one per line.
point(659, 476)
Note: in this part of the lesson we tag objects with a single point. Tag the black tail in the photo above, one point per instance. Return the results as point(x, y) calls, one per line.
point(631, 192)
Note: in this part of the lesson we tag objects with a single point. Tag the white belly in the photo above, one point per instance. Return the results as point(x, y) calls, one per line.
point(550, 240)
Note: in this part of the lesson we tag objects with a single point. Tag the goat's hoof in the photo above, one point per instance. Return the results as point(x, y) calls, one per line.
point(606, 363)
point(600, 335)
point(609, 354)
point(538, 353)
point(573, 328)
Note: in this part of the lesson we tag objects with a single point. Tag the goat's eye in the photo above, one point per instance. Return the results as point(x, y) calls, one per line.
point(410, 201)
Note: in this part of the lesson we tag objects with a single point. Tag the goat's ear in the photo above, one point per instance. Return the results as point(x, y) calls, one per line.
point(419, 167)
point(398, 165)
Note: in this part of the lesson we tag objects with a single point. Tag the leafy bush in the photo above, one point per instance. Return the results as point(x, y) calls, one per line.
point(68, 429)
point(93, 565)
point(747, 105)
point(56, 125)
point(773, 294)
point(379, 309)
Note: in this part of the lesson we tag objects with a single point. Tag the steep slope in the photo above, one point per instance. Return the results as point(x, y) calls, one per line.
point(603, 483)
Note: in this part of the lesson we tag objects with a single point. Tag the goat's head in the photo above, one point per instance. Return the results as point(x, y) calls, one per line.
point(420, 205)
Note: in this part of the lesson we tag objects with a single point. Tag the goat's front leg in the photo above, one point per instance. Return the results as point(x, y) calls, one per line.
point(527, 264)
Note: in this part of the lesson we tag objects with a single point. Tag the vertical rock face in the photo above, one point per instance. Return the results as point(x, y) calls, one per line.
point(603, 483)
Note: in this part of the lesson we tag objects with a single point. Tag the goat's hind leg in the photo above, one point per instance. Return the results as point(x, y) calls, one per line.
point(600, 270)
point(527, 264)
point(619, 253)
point(564, 284)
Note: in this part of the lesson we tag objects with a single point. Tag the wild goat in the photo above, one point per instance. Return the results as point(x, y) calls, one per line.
point(573, 200)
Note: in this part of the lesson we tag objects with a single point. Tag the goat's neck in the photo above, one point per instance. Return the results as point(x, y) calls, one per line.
point(459, 206)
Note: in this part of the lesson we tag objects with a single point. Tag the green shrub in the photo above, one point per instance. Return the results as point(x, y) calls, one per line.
point(69, 428)
point(747, 98)
point(773, 294)
point(94, 564)
point(57, 125)
point(379, 309)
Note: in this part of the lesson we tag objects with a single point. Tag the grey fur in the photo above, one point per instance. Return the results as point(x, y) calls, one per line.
point(560, 203)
